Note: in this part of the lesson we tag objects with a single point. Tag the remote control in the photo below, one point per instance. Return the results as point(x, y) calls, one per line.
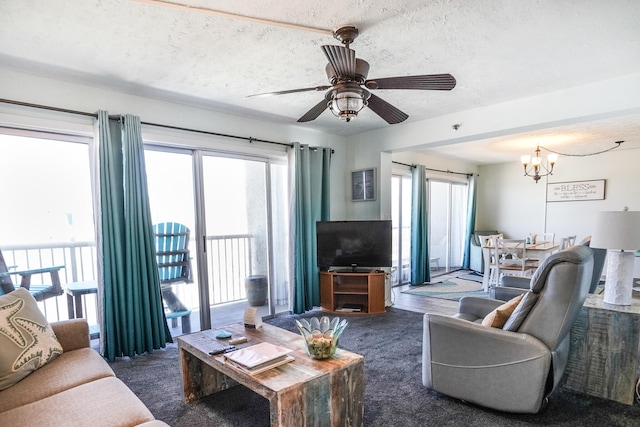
point(238, 340)
point(221, 350)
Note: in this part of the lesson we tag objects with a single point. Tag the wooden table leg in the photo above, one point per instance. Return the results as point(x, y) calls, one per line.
point(78, 304)
point(199, 379)
point(70, 305)
point(333, 400)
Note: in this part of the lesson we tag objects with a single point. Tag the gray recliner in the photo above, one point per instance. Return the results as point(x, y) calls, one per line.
point(512, 369)
point(476, 259)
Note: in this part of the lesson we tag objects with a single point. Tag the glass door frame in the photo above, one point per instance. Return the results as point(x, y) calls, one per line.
point(450, 184)
point(201, 230)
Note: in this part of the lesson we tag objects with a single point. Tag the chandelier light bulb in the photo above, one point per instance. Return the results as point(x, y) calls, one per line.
point(538, 169)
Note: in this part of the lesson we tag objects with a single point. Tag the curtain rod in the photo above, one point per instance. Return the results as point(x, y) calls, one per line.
point(84, 113)
point(434, 170)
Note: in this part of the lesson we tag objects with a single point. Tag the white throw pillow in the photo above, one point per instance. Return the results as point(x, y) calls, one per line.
point(27, 341)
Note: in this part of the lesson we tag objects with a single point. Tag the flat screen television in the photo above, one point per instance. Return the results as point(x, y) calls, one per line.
point(359, 245)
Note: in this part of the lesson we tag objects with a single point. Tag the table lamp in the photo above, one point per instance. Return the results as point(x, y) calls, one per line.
point(619, 233)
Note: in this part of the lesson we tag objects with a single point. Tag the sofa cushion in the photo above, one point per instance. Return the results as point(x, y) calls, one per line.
point(106, 402)
point(498, 317)
point(26, 338)
point(69, 370)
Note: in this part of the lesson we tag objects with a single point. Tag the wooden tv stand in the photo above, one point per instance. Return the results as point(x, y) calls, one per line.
point(338, 288)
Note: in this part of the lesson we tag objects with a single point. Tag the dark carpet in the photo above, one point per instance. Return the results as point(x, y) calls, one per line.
point(394, 394)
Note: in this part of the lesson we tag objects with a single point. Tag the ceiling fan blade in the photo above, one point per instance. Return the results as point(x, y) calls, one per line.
point(285, 92)
point(424, 82)
point(342, 60)
point(313, 113)
point(388, 112)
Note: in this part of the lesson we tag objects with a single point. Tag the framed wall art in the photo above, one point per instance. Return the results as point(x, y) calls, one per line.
point(576, 191)
point(363, 185)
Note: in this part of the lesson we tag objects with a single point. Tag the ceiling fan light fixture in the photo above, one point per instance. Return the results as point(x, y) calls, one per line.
point(347, 102)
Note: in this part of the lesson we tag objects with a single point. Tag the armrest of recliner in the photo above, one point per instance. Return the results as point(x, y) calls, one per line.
point(516, 282)
point(477, 307)
point(459, 358)
point(510, 287)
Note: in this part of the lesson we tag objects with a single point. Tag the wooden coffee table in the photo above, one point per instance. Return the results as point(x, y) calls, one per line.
point(305, 392)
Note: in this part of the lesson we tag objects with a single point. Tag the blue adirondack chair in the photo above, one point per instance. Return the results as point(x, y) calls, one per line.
point(174, 266)
point(39, 292)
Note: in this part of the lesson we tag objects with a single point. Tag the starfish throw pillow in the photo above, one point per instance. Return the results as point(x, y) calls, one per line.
point(27, 341)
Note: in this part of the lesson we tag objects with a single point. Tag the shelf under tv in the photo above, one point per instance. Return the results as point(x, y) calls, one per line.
point(339, 289)
point(359, 270)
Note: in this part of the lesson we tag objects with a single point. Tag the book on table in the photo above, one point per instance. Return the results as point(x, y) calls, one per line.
point(259, 357)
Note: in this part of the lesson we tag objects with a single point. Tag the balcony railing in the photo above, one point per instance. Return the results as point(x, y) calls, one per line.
point(228, 258)
point(229, 262)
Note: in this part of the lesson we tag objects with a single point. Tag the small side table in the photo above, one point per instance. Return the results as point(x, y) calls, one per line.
point(75, 291)
point(604, 353)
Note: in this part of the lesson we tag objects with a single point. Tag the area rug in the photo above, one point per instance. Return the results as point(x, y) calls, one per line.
point(473, 276)
point(449, 289)
point(394, 395)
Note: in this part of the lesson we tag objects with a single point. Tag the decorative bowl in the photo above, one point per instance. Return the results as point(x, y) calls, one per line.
point(321, 335)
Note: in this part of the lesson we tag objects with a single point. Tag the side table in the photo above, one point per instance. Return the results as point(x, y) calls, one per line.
point(605, 343)
point(75, 291)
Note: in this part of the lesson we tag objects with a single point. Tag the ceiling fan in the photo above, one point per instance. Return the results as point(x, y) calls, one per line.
point(349, 91)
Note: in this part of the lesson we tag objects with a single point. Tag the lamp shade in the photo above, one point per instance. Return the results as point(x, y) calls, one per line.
point(617, 230)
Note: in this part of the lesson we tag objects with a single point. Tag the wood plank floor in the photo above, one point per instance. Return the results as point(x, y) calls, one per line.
point(422, 304)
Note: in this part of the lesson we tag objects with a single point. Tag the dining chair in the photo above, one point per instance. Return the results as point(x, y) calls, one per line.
point(543, 237)
point(489, 242)
point(509, 257)
point(567, 242)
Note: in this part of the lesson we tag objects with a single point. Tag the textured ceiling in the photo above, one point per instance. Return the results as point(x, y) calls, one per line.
point(497, 50)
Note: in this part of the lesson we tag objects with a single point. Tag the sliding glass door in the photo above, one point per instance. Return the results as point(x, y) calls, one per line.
point(401, 229)
point(46, 218)
point(237, 239)
point(236, 210)
point(171, 196)
point(447, 219)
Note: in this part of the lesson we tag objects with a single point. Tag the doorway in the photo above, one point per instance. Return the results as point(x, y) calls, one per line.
point(227, 202)
point(447, 219)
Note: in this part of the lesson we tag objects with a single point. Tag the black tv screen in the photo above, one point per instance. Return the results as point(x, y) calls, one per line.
point(355, 244)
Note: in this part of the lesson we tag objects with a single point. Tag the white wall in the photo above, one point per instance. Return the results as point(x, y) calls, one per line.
point(507, 200)
point(19, 85)
point(516, 205)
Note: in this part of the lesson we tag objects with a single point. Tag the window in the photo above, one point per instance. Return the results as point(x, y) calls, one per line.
point(401, 229)
point(47, 215)
point(447, 220)
point(243, 210)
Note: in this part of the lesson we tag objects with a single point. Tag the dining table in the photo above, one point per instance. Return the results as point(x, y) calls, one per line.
point(538, 251)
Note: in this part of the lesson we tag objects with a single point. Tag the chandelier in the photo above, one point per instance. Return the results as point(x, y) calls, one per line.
point(538, 169)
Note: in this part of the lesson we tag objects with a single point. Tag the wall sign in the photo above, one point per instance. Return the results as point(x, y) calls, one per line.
point(363, 185)
point(575, 191)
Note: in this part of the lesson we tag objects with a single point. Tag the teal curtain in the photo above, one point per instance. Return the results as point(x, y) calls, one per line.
point(133, 316)
point(419, 227)
point(310, 203)
point(471, 219)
